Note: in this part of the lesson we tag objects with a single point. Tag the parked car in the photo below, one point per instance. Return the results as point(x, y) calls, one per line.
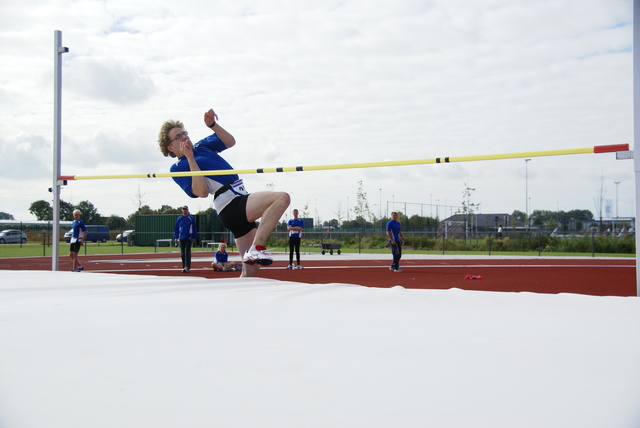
point(122, 237)
point(12, 236)
point(95, 233)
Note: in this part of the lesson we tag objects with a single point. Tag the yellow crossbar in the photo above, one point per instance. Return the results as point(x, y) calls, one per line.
point(559, 152)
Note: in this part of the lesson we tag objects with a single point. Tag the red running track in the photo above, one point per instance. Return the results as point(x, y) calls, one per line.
point(599, 277)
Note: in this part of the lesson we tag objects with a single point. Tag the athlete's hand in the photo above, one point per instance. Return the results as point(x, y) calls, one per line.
point(210, 117)
point(187, 148)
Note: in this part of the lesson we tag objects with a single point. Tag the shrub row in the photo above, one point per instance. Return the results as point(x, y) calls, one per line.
point(430, 242)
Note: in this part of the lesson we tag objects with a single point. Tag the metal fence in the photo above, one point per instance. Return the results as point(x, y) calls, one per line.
point(361, 241)
point(532, 242)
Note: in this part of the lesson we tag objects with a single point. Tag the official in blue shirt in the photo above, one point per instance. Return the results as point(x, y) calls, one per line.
point(186, 232)
point(396, 241)
point(294, 226)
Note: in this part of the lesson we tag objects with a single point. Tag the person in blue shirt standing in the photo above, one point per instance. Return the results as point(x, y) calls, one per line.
point(78, 236)
point(294, 226)
point(186, 232)
point(396, 241)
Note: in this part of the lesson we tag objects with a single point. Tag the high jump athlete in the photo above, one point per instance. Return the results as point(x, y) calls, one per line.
point(237, 209)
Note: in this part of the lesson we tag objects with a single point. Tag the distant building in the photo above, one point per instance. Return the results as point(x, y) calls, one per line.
point(458, 225)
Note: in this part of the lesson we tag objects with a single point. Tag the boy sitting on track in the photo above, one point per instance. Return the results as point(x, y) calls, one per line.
point(221, 262)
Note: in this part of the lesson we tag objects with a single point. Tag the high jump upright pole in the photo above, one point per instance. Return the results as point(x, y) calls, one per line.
point(636, 126)
point(58, 50)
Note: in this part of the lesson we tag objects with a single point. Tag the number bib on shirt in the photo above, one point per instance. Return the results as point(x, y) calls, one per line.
point(237, 189)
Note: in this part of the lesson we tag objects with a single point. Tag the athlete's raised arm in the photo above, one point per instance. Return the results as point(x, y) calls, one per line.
point(211, 121)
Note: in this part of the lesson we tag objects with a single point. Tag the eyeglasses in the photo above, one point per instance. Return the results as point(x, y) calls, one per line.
point(180, 136)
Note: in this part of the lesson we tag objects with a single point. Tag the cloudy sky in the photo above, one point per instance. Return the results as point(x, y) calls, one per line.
point(314, 83)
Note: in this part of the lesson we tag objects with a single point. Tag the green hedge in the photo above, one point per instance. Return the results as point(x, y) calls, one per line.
point(430, 242)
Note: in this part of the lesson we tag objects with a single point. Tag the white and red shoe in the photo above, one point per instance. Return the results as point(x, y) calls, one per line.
point(257, 255)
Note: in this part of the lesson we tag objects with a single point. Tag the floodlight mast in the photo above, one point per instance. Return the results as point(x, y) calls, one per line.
point(58, 50)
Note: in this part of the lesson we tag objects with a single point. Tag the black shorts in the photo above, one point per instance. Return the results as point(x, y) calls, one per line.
point(234, 217)
point(74, 247)
point(294, 240)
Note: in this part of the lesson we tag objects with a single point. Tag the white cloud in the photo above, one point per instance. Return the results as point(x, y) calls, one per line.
point(108, 80)
point(26, 157)
point(320, 83)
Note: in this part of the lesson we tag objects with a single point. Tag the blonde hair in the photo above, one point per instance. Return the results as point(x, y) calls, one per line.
point(163, 136)
point(221, 246)
point(77, 211)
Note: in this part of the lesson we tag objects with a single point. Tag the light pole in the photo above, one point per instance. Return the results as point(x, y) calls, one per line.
point(614, 227)
point(431, 203)
point(380, 208)
point(617, 182)
point(526, 189)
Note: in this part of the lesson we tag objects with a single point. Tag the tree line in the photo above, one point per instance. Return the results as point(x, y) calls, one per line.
point(573, 220)
point(42, 210)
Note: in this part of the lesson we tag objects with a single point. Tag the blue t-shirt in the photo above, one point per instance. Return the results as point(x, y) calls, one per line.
point(206, 155)
point(295, 222)
point(394, 227)
point(185, 228)
point(222, 257)
point(76, 227)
